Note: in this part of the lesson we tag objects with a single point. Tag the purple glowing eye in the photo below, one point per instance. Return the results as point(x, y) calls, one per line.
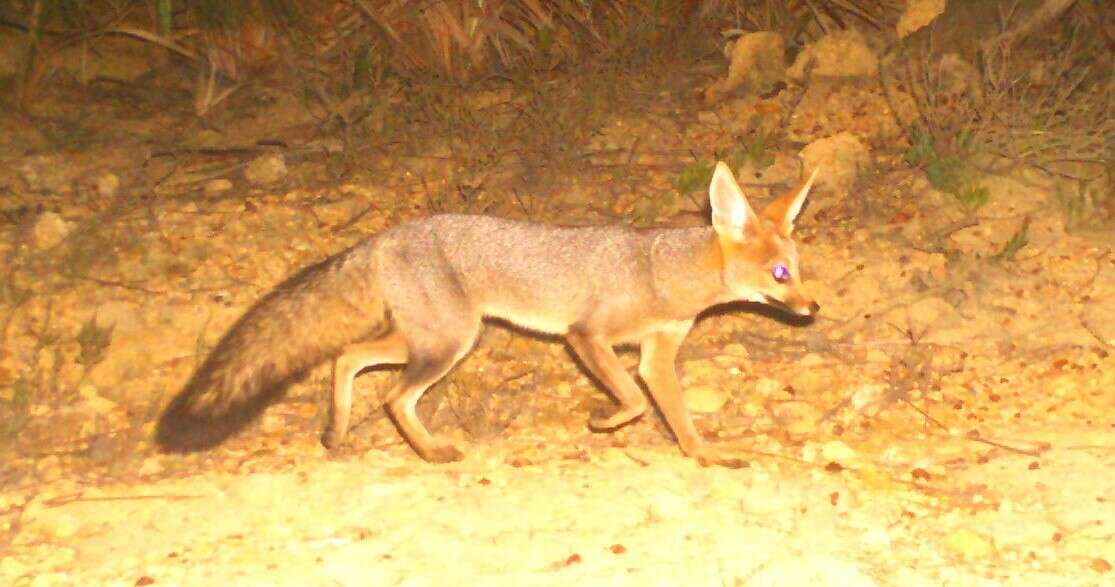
point(780, 273)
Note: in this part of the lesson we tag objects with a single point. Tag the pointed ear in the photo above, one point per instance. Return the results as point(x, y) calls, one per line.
point(783, 211)
point(731, 214)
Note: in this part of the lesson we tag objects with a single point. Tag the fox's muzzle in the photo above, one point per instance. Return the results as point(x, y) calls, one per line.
point(807, 309)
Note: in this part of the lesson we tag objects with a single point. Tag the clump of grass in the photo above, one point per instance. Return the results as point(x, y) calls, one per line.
point(758, 152)
point(696, 176)
point(650, 210)
point(972, 197)
point(93, 341)
point(1090, 204)
point(1017, 241)
point(1042, 101)
point(949, 174)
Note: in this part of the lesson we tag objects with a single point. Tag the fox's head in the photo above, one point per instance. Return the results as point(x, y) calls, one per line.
point(760, 262)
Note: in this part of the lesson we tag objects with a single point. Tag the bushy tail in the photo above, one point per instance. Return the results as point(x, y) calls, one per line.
point(305, 320)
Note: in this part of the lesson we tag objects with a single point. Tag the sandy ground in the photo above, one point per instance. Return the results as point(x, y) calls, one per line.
point(615, 516)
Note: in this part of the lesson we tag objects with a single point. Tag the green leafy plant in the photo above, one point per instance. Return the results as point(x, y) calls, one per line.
point(972, 196)
point(758, 152)
point(696, 176)
point(1016, 243)
point(1089, 204)
point(93, 340)
point(947, 174)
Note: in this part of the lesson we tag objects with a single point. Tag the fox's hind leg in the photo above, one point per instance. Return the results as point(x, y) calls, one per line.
point(389, 350)
point(431, 310)
point(429, 358)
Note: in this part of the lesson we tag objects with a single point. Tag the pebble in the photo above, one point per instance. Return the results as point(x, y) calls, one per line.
point(969, 545)
point(216, 186)
point(705, 399)
point(266, 169)
point(48, 231)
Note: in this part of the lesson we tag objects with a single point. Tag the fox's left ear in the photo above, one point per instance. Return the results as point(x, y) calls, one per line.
point(732, 216)
point(783, 211)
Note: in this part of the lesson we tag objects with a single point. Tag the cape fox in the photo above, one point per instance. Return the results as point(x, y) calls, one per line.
point(416, 294)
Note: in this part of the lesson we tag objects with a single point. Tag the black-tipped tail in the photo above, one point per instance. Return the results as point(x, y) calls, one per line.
point(182, 428)
point(307, 319)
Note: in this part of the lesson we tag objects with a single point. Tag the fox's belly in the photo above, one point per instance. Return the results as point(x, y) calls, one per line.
point(545, 318)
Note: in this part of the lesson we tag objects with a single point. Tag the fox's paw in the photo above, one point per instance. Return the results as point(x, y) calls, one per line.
point(441, 453)
point(604, 421)
point(709, 456)
point(332, 439)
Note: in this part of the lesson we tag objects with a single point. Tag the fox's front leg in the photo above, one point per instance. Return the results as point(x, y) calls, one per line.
point(600, 359)
point(657, 368)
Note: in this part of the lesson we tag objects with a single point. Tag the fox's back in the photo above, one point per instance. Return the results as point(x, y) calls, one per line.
point(539, 276)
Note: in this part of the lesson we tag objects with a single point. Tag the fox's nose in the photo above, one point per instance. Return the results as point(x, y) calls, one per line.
point(807, 310)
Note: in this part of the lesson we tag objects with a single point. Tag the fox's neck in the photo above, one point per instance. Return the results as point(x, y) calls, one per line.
point(688, 265)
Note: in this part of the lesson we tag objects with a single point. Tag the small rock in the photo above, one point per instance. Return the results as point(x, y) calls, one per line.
point(767, 387)
point(48, 230)
point(150, 466)
point(266, 169)
point(45, 174)
point(811, 360)
point(843, 54)
point(877, 538)
point(216, 186)
point(273, 424)
point(877, 356)
point(107, 184)
point(867, 395)
point(705, 399)
point(702, 369)
point(666, 505)
point(93, 401)
point(932, 313)
point(736, 349)
point(969, 545)
point(842, 158)
point(58, 525)
point(796, 418)
point(918, 14)
point(207, 138)
point(837, 452)
point(758, 61)
point(1089, 547)
point(811, 381)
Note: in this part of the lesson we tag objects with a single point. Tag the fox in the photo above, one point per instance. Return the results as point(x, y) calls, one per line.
point(417, 295)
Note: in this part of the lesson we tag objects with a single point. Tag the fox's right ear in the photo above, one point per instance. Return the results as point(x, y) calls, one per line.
point(731, 214)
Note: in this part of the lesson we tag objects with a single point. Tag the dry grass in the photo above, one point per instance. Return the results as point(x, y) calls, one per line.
point(1048, 102)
